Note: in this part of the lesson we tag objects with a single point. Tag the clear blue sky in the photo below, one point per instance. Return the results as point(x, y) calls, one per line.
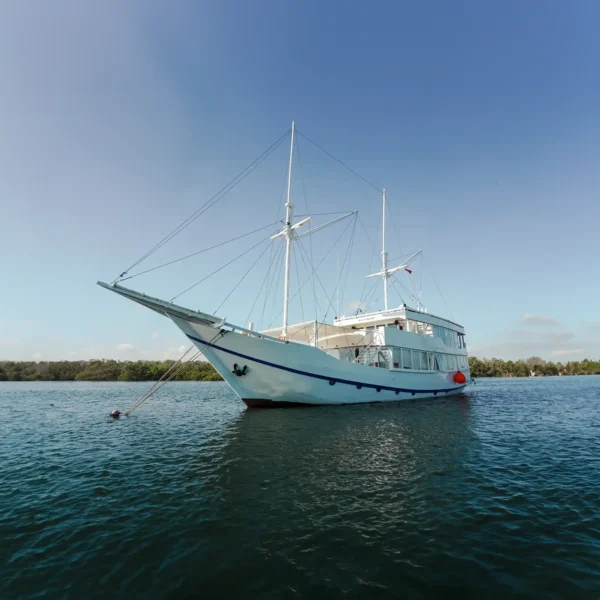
point(119, 118)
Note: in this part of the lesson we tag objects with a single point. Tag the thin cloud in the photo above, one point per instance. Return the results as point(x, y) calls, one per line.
point(174, 353)
point(125, 347)
point(531, 319)
point(567, 352)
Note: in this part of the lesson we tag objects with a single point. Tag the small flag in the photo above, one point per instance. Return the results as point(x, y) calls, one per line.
point(408, 271)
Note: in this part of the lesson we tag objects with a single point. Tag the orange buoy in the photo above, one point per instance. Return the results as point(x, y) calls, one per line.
point(460, 378)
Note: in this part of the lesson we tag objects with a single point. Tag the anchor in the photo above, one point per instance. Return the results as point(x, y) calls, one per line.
point(239, 372)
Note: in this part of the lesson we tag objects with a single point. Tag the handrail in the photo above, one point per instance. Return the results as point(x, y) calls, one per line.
point(255, 333)
point(367, 347)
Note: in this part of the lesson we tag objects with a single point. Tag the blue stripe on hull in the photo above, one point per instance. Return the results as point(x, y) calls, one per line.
point(325, 377)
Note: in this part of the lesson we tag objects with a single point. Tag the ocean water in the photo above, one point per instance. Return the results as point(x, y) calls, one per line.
point(492, 494)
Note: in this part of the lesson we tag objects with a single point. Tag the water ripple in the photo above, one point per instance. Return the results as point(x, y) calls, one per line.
point(494, 493)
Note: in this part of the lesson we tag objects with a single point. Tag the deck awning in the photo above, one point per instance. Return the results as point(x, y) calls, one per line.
point(328, 336)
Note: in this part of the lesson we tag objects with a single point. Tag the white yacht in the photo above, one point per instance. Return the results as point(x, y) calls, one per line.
point(395, 354)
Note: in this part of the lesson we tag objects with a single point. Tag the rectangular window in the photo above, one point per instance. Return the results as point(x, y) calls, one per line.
point(424, 365)
point(416, 360)
point(440, 361)
point(432, 364)
point(406, 361)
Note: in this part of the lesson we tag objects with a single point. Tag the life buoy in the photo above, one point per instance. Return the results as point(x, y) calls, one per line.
point(460, 378)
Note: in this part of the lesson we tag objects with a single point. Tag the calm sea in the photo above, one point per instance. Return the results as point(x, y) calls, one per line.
point(493, 494)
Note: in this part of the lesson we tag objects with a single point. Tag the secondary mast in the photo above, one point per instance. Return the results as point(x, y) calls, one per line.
point(288, 233)
point(385, 272)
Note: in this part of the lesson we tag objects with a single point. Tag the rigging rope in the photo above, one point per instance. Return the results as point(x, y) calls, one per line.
point(299, 293)
point(260, 289)
point(220, 268)
point(339, 161)
point(371, 260)
point(346, 259)
point(210, 202)
point(170, 374)
point(440, 292)
point(309, 226)
point(310, 275)
point(276, 267)
point(199, 252)
point(315, 269)
point(325, 291)
point(275, 281)
point(242, 279)
point(349, 261)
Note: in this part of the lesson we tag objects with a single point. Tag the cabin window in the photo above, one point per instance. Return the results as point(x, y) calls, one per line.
point(415, 360)
point(432, 363)
point(424, 365)
point(440, 362)
point(406, 360)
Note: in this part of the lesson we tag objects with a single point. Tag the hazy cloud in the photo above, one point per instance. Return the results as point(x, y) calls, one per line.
point(37, 356)
point(125, 347)
point(175, 353)
point(155, 335)
point(567, 352)
point(531, 319)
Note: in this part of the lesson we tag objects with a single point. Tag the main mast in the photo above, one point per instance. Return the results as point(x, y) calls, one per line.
point(288, 233)
point(384, 269)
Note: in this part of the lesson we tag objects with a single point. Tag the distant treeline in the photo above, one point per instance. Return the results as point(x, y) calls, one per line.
point(494, 367)
point(143, 370)
point(103, 370)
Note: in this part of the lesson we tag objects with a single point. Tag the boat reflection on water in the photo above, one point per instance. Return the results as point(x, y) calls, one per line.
point(348, 453)
point(292, 485)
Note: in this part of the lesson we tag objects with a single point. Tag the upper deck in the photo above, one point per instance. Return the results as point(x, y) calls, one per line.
point(406, 317)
